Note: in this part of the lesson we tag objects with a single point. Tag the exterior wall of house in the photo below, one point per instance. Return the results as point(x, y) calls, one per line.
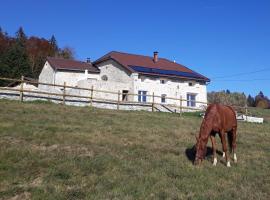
point(171, 88)
point(49, 75)
point(71, 78)
point(114, 72)
point(101, 85)
point(120, 79)
point(46, 76)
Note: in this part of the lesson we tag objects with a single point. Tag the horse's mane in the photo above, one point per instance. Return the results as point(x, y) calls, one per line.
point(207, 119)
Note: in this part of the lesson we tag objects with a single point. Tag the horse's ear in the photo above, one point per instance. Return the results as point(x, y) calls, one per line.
point(197, 138)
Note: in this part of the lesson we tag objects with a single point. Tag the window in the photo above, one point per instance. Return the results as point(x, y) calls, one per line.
point(191, 100)
point(104, 78)
point(124, 95)
point(162, 81)
point(190, 84)
point(142, 96)
point(163, 98)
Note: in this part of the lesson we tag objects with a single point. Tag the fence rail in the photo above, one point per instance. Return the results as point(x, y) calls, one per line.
point(63, 96)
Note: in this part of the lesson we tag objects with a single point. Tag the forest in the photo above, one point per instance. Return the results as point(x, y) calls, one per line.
point(23, 55)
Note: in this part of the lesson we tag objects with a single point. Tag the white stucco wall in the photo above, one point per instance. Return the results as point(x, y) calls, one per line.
point(46, 76)
point(171, 88)
point(72, 78)
point(134, 82)
point(114, 72)
point(100, 85)
point(49, 75)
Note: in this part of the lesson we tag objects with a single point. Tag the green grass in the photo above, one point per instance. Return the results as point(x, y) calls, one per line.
point(50, 151)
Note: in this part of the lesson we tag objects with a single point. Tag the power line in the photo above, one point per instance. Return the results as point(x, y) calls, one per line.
point(238, 74)
point(245, 80)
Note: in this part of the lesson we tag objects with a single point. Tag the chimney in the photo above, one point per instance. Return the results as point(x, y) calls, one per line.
point(88, 60)
point(155, 56)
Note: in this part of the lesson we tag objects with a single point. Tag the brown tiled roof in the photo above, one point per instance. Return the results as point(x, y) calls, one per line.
point(131, 61)
point(71, 65)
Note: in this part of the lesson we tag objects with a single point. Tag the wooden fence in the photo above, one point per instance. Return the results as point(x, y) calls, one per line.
point(63, 97)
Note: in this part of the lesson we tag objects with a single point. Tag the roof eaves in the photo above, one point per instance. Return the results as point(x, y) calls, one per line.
point(81, 70)
point(172, 76)
point(51, 64)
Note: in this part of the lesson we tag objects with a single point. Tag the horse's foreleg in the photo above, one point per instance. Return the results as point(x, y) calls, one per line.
point(234, 145)
point(213, 140)
point(223, 153)
point(224, 146)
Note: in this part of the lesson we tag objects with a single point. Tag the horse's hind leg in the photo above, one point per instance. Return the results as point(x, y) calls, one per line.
point(234, 144)
point(223, 153)
point(213, 140)
point(224, 146)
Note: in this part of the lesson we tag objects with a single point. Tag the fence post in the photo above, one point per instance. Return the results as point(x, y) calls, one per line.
point(91, 95)
point(181, 102)
point(246, 111)
point(118, 100)
point(21, 89)
point(64, 94)
point(153, 102)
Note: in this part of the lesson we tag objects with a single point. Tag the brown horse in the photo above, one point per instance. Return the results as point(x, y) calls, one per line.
point(218, 119)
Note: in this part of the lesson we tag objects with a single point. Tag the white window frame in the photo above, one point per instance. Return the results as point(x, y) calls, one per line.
point(142, 96)
point(191, 102)
point(163, 98)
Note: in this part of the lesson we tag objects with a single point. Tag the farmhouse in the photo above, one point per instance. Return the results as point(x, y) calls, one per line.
point(136, 77)
point(59, 70)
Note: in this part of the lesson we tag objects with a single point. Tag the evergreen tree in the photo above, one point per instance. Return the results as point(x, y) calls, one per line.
point(16, 57)
point(21, 37)
point(250, 101)
point(261, 94)
point(54, 46)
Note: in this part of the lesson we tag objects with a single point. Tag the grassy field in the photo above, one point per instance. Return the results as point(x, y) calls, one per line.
point(50, 151)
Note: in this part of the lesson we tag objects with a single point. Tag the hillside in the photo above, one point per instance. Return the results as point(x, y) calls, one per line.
point(50, 151)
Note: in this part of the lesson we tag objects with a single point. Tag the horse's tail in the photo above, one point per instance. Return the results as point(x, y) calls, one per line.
point(230, 139)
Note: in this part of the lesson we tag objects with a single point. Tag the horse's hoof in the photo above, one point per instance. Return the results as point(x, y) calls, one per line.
point(234, 158)
point(228, 164)
point(215, 162)
point(223, 155)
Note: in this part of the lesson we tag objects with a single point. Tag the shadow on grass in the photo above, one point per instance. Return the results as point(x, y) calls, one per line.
point(190, 153)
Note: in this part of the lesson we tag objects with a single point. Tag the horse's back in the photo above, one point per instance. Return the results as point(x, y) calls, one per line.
point(223, 117)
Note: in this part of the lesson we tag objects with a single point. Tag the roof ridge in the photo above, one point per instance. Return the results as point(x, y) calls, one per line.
point(133, 54)
point(67, 59)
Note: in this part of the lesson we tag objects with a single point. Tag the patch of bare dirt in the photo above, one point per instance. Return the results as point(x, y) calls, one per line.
point(36, 182)
point(22, 196)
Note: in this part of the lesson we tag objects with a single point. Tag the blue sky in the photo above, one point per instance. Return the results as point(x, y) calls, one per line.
point(218, 38)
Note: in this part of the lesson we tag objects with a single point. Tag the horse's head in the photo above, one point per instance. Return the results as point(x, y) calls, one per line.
point(200, 148)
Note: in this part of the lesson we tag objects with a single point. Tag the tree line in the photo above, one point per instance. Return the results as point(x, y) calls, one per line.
point(22, 55)
point(239, 99)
